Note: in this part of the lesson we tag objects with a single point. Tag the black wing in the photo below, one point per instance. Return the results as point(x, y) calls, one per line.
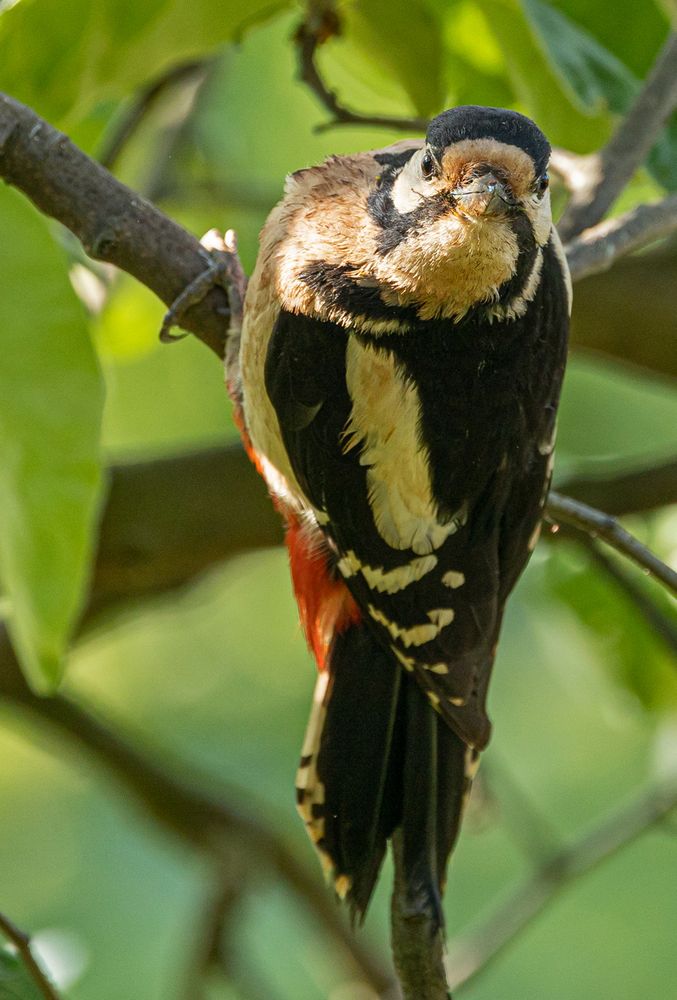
point(488, 396)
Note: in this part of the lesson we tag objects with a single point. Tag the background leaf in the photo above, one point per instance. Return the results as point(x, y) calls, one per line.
point(15, 982)
point(81, 53)
point(404, 41)
point(598, 79)
point(50, 418)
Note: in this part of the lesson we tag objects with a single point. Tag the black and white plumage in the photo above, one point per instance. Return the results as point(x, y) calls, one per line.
point(402, 352)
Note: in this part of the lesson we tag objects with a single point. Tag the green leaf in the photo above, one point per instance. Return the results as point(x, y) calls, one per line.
point(405, 40)
point(598, 81)
point(633, 653)
point(15, 982)
point(539, 85)
point(81, 53)
point(50, 413)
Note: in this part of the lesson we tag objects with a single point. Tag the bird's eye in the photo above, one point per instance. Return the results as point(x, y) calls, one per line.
point(542, 185)
point(428, 165)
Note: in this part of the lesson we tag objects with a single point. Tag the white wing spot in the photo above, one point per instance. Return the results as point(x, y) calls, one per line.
point(387, 581)
point(453, 578)
point(417, 635)
point(408, 662)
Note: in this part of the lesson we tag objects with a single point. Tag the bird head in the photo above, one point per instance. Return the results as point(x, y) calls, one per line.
point(460, 214)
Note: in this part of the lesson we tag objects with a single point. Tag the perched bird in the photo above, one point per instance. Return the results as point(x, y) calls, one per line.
point(401, 356)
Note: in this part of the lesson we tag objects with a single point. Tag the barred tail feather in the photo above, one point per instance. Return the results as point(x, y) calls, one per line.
point(377, 758)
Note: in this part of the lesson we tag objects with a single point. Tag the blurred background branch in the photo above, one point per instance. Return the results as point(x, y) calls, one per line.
point(473, 953)
point(181, 806)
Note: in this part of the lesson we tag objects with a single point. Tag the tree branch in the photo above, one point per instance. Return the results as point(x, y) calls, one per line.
point(599, 525)
point(112, 222)
point(473, 953)
point(628, 147)
point(22, 943)
point(164, 521)
point(418, 948)
point(598, 248)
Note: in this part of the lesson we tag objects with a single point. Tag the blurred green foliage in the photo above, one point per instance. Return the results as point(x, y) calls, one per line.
point(585, 696)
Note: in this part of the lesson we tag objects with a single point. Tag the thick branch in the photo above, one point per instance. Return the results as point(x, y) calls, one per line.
point(112, 222)
point(600, 525)
point(22, 943)
point(628, 147)
point(165, 522)
point(473, 953)
point(598, 248)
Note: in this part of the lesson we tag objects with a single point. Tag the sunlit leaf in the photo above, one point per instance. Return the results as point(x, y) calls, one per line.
point(537, 83)
point(599, 80)
point(405, 41)
point(50, 412)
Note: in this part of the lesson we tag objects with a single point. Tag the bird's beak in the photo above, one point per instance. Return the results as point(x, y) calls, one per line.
point(485, 195)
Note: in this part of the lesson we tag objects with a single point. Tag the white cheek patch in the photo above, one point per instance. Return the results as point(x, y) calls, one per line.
point(410, 188)
point(384, 423)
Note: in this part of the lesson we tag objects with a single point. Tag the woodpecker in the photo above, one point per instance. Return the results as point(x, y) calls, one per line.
point(397, 379)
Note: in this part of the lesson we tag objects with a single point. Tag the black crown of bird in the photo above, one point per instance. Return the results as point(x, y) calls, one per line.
point(401, 356)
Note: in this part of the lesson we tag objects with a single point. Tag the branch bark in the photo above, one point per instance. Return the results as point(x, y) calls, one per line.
point(164, 521)
point(113, 223)
point(598, 248)
point(418, 948)
point(628, 147)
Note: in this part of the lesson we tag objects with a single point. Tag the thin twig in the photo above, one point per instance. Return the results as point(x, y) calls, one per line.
point(659, 623)
point(600, 525)
point(628, 147)
point(320, 24)
point(22, 943)
point(598, 248)
point(144, 102)
point(473, 953)
point(211, 949)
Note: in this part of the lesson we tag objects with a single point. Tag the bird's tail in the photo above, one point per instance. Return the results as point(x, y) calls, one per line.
point(376, 759)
